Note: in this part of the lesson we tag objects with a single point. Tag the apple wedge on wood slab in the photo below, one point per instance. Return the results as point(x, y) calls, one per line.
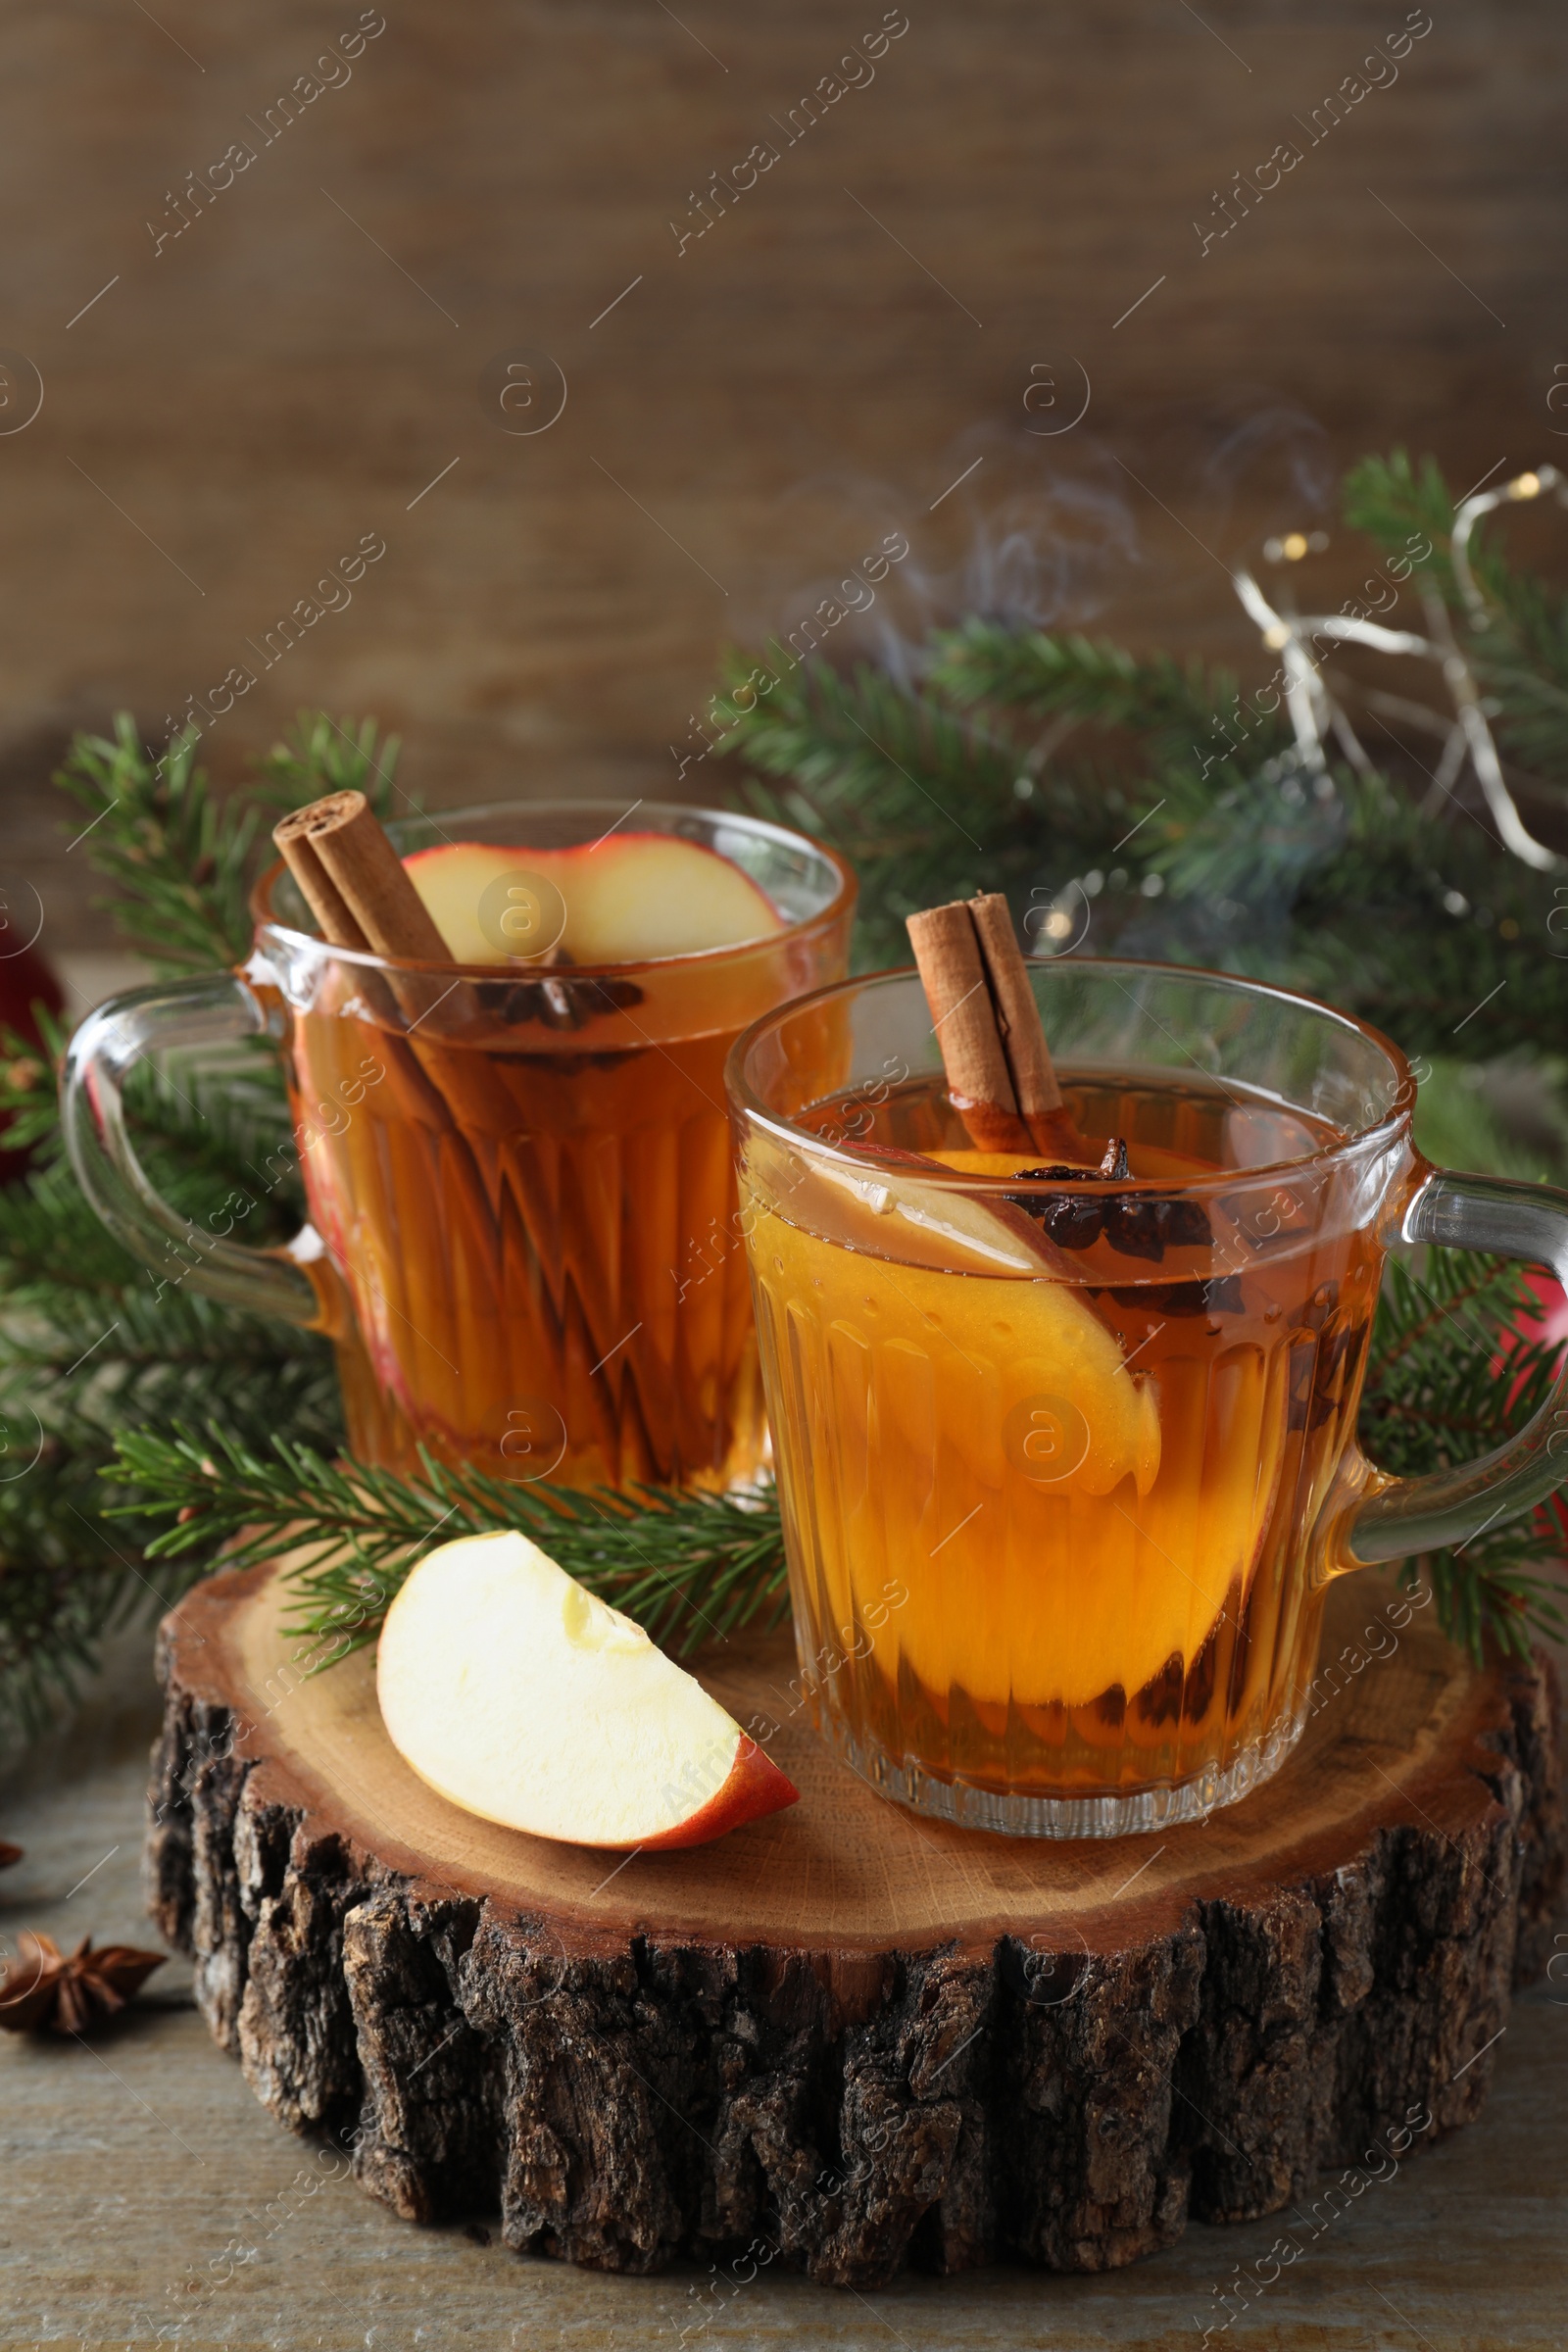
point(519, 1695)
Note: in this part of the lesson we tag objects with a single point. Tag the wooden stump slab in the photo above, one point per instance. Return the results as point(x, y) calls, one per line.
point(855, 2036)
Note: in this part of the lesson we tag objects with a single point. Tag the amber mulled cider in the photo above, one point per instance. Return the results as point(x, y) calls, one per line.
point(511, 1126)
point(1095, 1430)
point(533, 1208)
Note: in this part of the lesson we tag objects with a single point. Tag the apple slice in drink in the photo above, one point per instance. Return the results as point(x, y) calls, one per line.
point(629, 899)
point(883, 1204)
point(880, 1203)
point(520, 1696)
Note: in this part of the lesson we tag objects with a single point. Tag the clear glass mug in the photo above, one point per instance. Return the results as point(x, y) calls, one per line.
point(1065, 1472)
point(519, 1180)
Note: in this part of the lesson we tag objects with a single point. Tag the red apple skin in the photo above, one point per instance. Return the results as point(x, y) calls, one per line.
point(755, 1787)
point(472, 863)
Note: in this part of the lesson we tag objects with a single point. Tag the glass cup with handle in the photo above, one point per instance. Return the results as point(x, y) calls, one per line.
point(522, 1234)
point(1066, 1468)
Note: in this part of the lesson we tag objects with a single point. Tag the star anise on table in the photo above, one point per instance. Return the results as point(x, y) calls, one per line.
point(44, 1986)
point(9, 1854)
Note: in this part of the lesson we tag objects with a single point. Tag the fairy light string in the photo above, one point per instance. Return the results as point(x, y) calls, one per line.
point(1316, 714)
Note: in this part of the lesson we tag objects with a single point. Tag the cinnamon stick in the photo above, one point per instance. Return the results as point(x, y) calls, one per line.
point(1018, 1023)
point(361, 894)
point(368, 880)
point(999, 1074)
point(422, 1101)
point(952, 972)
point(359, 875)
point(1001, 1077)
point(299, 837)
point(331, 909)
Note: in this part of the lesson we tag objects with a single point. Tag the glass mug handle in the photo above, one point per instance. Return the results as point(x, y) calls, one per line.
point(296, 1282)
point(1391, 1518)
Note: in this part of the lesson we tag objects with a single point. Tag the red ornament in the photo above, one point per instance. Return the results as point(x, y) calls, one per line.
point(26, 981)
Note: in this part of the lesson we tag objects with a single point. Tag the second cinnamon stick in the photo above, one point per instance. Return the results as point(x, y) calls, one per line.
point(369, 881)
point(1001, 1076)
point(363, 895)
point(952, 970)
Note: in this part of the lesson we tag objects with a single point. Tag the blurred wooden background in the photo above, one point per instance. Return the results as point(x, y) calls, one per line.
point(329, 334)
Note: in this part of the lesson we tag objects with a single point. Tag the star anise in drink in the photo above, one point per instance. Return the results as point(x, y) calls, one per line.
point(44, 1988)
point(1134, 1227)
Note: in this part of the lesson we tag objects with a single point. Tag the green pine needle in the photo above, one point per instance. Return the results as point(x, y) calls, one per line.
point(1182, 824)
point(1441, 1388)
point(90, 1341)
point(697, 1567)
point(322, 754)
point(1057, 768)
point(927, 802)
point(1171, 702)
point(182, 862)
point(689, 1567)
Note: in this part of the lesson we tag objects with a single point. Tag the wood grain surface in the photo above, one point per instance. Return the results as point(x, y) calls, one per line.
point(846, 1868)
point(854, 2040)
point(230, 415)
point(295, 367)
point(133, 2170)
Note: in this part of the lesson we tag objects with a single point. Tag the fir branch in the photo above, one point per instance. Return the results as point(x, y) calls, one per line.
point(213, 1164)
point(1253, 836)
point(1520, 649)
point(55, 1617)
point(690, 1567)
point(1489, 1594)
point(865, 750)
point(29, 1098)
point(1347, 884)
point(321, 755)
point(1413, 1312)
point(928, 803)
point(53, 1244)
point(181, 863)
point(66, 1580)
point(1344, 887)
point(218, 1138)
point(1391, 499)
point(1173, 703)
point(88, 1339)
point(1441, 1388)
point(218, 1128)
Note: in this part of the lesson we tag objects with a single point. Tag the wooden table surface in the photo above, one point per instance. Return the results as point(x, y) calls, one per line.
point(1018, 199)
point(142, 2189)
